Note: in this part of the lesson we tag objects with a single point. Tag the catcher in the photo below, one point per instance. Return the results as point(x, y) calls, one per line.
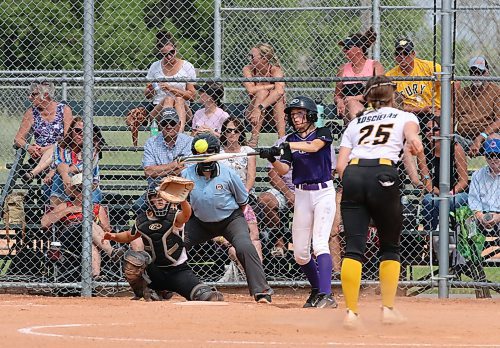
point(163, 267)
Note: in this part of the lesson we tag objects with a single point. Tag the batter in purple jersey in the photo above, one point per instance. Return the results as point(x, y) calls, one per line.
point(308, 152)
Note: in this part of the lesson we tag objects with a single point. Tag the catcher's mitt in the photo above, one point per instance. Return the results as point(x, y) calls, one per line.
point(175, 189)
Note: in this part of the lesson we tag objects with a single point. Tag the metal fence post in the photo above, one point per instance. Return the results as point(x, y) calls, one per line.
point(376, 28)
point(217, 39)
point(88, 107)
point(444, 172)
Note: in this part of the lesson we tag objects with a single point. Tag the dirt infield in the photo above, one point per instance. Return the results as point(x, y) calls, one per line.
point(33, 321)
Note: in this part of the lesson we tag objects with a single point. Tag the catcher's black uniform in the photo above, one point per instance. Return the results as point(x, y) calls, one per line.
point(168, 268)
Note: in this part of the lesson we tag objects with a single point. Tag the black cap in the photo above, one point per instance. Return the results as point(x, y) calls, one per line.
point(404, 44)
point(168, 115)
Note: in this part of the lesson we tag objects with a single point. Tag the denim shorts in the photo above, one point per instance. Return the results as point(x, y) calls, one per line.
point(57, 190)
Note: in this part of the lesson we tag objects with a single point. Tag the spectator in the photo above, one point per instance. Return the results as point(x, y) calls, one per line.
point(423, 98)
point(233, 140)
point(170, 94)
point(349, 94)
point(477, 108)
point(218, 201)
point(161, 152)
point(485, 185)
point(69, 214)
point(68, 161)
point(212, 115)
point(458, 177)
point(277, 200)
point(49, 121)
point(264, 96)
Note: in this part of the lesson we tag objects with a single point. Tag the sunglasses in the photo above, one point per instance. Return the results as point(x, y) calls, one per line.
point(34, 94)
point(476, 72)
point(78, 130)
point(169, 53)
point(433, 129)
point(251, 56)
point(170, 124)
point(232, 130)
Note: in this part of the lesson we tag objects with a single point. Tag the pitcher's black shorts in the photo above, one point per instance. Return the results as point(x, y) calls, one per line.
point(371, 190)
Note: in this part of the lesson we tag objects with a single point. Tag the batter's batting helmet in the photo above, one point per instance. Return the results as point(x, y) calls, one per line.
point(305, 103)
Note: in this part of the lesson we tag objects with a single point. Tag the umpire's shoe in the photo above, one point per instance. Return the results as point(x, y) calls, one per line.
point(325, 301)
point(264, 297)
point(312, 299)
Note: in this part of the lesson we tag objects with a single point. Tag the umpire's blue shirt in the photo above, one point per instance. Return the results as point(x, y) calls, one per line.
point(215, 199)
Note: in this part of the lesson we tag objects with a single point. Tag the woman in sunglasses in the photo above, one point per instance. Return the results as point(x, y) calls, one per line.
point(68, 161)
point(458, 176)
point(49, 120)
point(348, 95)
point(233, 140)
point(170, 94)
point(264, 96)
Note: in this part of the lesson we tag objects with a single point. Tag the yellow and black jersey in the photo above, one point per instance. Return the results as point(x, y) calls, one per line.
point(419, 93)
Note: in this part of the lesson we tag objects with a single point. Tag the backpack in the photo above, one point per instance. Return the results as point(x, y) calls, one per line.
point(13, 213)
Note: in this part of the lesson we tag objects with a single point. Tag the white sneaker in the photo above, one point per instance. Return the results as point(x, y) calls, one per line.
point(391, 316)
point(351, 320)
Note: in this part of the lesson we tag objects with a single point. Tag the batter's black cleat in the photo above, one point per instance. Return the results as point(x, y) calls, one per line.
point(325, 301)
point(311, 300)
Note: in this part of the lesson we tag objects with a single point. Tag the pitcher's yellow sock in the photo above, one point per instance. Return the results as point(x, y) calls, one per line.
point(350, 275)
point(389, 276)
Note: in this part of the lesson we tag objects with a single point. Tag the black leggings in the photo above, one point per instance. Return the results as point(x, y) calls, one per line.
point(180, 279)
point(371, 191)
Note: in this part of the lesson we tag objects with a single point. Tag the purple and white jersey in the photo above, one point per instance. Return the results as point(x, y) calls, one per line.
point(311, 167)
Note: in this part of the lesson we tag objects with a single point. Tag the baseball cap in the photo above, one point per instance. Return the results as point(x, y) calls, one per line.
point(77, 179)
point(478, 62)
point(404, 44)
point(169, 115)
point(491, 146)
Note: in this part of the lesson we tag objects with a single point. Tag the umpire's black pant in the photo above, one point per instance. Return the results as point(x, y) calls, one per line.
point(371, 190)
point(235, 229)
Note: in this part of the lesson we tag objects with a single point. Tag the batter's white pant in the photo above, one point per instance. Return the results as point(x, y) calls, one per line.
point(313, 216)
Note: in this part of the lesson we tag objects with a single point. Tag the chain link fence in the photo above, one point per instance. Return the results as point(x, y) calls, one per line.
point(255, 50)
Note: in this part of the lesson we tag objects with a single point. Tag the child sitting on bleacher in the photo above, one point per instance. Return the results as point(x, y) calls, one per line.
point(211, 117)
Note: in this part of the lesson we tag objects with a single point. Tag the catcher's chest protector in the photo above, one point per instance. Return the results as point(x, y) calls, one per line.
point(160, 240)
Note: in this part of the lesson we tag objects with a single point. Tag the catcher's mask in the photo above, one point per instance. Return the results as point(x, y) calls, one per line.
point(305, 103)
point(213, 147)
point(158, 212)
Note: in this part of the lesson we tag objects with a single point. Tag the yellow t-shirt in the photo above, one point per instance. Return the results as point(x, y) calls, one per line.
point(419, 93)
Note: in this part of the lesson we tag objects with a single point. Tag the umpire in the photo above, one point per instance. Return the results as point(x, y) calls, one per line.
point(218, 200)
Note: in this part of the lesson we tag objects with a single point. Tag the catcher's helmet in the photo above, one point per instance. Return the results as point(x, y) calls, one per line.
point(305, 103)
point(158, 212)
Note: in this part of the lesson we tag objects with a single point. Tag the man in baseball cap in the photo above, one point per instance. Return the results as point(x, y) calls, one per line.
point(423, 98)
point(476, 108)
point(485, 185)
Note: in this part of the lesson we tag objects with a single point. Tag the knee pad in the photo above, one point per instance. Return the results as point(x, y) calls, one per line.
point(202, 292)
point(134, 266)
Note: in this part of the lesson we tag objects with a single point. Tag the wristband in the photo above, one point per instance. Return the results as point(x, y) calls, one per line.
point(272, 159)
point(261, 107)
point(484, 135)
point(26, 146)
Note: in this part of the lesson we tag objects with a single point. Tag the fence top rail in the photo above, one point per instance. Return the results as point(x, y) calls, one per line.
point(348, 8)
point(219, 79)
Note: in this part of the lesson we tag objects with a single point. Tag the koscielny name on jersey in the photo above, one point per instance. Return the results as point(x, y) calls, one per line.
point(377, 117)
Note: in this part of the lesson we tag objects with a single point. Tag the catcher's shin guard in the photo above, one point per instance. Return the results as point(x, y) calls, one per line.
point(202, 292)
point(134, 265)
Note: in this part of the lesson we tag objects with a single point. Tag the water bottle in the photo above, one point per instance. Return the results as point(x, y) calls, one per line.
point(321, 111)
point(153, 128)
point(156, 86)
